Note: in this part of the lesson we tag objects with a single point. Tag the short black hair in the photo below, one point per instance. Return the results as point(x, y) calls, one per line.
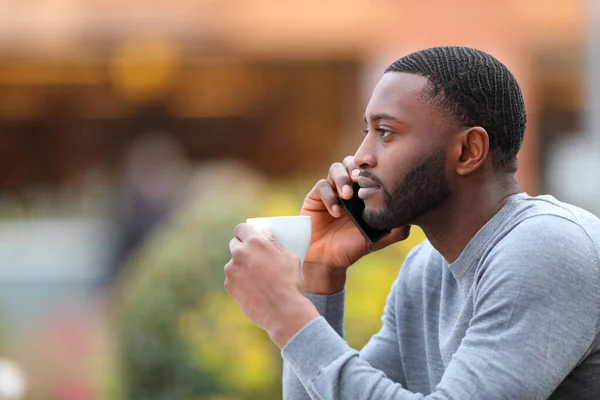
point(476, 90)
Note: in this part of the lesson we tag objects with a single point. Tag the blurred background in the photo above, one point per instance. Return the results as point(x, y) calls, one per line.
point(135, 135)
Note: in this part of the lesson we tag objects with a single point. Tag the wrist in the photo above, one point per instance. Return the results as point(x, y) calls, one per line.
point(292, 321)
point(322, 279)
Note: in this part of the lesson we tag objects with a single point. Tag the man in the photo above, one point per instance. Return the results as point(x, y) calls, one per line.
point(502, 301)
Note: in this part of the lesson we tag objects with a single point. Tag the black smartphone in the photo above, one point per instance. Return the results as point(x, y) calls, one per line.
point(355, 207)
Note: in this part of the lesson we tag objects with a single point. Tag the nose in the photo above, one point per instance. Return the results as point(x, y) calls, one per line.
point(365, 158)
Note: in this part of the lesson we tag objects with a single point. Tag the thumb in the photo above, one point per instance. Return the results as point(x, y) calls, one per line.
point(266, 231)
point(396, 235)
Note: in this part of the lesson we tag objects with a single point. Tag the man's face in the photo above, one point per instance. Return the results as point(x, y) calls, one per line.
point(403, 156)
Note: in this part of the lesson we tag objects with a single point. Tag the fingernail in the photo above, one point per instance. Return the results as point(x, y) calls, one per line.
point(336, 209)
point(355, 173)
point(347, 190)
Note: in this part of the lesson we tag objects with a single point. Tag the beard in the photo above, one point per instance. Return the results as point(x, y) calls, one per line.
point(424, 188)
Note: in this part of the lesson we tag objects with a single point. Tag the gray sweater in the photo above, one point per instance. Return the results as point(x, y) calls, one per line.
point(516, 316)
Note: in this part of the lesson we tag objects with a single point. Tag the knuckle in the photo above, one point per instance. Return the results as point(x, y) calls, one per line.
point(324, 187)
point(254, 241)
point(349, 162)
point(228, 267)
point(239, 252)
point(335, 167)
point(232, 271)
point(237, 228)
point(341, 176)
point(322, 183)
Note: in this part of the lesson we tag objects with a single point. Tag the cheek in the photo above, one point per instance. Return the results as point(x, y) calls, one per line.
point(393, 168)
point(393, 177)
point(399, 158)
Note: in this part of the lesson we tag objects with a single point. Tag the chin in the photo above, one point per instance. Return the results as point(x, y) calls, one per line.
point(373, 218)
point(371, 213)
point(383, 218)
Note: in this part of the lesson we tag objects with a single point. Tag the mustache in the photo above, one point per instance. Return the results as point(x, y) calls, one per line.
point(371, 176)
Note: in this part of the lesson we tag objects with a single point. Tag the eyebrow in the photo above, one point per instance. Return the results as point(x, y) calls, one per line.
point(380, 116)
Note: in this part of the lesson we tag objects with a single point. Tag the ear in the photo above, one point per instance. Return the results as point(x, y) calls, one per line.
point(472, 147)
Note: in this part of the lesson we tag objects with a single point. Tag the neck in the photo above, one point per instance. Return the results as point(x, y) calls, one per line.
point(451, 227)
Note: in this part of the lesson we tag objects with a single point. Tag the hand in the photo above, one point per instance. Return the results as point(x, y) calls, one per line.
point(336, 242)
point(266, 282)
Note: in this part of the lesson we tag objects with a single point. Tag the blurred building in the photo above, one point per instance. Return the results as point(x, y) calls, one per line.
point(282, 85)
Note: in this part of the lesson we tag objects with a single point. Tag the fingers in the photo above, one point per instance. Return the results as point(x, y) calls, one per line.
point(228, 271)
point(342, 175)
point(352, 169)
point(327, 194)
point(234, 244)
point(350, 166)
point(340, 180)
point(245, 231)
point(267, 232)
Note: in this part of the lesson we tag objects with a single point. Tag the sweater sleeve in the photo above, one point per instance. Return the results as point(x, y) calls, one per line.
point(381, 352)
point(536, 316)
point(331, 309)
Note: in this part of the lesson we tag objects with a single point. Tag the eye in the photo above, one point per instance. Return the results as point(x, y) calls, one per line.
point(384, 133)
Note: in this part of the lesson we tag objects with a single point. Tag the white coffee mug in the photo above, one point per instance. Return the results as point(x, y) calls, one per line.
point(292, 233)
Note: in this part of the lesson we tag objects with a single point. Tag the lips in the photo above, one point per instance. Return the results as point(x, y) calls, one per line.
point(367, 183)
point(368, 187)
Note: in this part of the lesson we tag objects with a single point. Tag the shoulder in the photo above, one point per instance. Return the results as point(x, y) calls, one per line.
point(548, 263)
point(547, 230)
point(544, 256)
point(547, 242)
point(544, 224)
point(545, 227)
point(546, 211)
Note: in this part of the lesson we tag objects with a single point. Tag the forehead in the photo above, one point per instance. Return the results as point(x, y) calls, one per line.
point(400, 95)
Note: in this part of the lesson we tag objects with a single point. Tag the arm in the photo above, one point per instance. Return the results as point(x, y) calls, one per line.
point(535, 317)
point(331, 308)
point(381, 352)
